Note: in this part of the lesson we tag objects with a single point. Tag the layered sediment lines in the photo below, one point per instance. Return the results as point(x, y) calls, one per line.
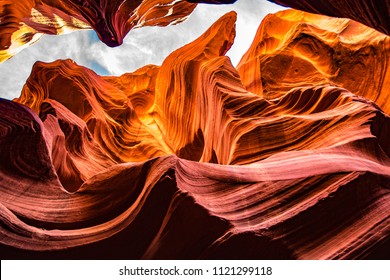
point(24, 22)
point(190, 160)
point(295, 49)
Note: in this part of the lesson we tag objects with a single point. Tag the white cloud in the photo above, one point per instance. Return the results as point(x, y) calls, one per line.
point(147, 45)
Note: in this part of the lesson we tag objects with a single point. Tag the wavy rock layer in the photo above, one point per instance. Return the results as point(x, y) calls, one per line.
point(295, 49)
point(182, 161)
point(24, 22)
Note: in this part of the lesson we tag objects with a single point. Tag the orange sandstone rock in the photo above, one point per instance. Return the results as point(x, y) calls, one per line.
point(24, 22)
point(295, 49)
point(183, 161)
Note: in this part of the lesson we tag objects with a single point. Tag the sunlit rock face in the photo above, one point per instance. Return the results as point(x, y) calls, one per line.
point(294, 49)
point(24, 22)
point(197, 159)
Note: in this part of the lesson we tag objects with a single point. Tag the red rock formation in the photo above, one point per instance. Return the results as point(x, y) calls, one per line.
point(93, 111)
point(181, 161)
point(23, 22)
point(296, 49)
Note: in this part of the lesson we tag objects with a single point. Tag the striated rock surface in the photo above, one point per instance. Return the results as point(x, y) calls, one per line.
point(190, 160)
point(296, 49)
point(24, 22)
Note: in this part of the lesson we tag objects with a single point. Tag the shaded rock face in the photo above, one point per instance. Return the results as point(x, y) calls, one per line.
point(24, 22)
point(372, 13)
point(197, 159)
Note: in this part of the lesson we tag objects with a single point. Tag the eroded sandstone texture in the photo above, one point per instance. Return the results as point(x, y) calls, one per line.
point(24, 22)
point(286, 156)
point(317, 50)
